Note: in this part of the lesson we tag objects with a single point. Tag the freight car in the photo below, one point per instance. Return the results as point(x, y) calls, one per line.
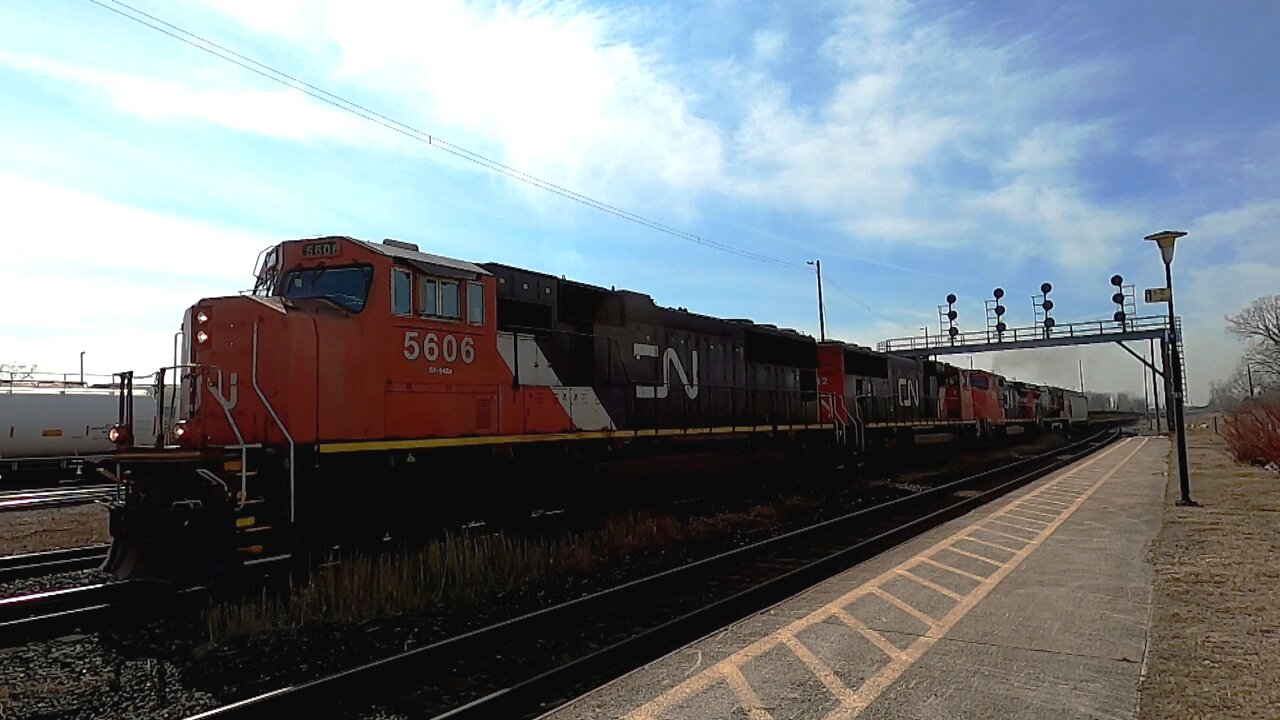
point(360, 384)
point(56, 431)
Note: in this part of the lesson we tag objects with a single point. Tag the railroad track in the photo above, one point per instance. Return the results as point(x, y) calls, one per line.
point(17, 567)
point(32, 616)
point(524, 666)
point(53, 497)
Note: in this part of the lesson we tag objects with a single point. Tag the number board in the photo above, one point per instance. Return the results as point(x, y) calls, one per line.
point(320, 249)
point(1157, 295)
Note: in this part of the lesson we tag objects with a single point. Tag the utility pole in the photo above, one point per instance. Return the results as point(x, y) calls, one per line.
point(82, 369)
point(1248, 368)
point(822, 312)
point(1155, 385)
point(1080, 361)
point(1146, 397)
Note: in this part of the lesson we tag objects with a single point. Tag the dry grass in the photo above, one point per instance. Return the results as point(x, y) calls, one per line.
point(1215, 630)
point(456, 569)
point(24, 531)
point(1252, 432)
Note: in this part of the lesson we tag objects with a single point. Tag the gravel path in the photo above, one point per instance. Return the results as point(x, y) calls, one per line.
point(1214, 642)
point(25, 531)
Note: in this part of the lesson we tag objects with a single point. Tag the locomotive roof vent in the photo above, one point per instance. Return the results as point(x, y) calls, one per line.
point(401, 244)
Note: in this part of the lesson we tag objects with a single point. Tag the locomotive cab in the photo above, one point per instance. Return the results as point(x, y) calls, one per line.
point(340, 339)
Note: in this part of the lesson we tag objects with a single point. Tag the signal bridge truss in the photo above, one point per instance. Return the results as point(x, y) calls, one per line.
point(1080, 333)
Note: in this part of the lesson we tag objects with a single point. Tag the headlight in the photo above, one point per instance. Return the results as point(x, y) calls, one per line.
point(179, 429)
point(202, 337)
point(202, 317)
point(118, 434)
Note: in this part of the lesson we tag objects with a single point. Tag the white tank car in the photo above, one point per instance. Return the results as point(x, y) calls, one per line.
point(49, 423)
point(1077, 407)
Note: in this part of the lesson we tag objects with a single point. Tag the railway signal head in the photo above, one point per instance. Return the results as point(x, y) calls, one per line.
point(1001, 327)
point(1119, 316)
point(953, 331)
point(1117, 280)
point(1118, 298)
point(999, 293)
point(999, 310)
point(1046, 288)
point(1049, 322)
point(951, 299)
point(952, 315)
point(1047, 305)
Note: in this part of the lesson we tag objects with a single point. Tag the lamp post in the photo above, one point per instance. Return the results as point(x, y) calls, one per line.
point(822, 313)
point(1165, 241)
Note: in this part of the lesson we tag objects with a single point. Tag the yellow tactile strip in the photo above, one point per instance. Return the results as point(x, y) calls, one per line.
point(990, 543)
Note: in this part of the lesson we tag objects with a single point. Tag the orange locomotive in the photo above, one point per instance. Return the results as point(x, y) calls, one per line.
point(361, 383)
point(361, 386)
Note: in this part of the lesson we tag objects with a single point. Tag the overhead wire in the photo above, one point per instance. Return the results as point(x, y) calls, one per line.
point(201, 43)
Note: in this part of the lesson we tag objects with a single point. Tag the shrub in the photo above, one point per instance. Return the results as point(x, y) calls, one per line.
point(1252, 431)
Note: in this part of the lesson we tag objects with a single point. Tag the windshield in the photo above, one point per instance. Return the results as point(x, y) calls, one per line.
point(346, 287)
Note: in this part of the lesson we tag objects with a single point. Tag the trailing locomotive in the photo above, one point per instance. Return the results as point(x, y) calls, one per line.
point(362, 383)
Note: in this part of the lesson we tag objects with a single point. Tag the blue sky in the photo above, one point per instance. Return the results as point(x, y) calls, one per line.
point(916, 148)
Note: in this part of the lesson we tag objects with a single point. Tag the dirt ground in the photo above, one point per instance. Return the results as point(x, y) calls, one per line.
point(1214, 643)
point(25, 531)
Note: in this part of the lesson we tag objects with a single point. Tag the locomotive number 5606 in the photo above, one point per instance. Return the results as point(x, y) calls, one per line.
point(434, 347)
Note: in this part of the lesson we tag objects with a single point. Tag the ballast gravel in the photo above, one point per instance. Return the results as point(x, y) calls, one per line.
point(56, 581)
point(77, 677)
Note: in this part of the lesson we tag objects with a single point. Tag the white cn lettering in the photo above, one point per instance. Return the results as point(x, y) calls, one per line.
point(908, 393)
point(228, 402)
point(669, 360)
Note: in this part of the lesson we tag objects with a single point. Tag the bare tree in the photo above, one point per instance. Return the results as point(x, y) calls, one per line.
point(1259, 326)
point(1229, 393)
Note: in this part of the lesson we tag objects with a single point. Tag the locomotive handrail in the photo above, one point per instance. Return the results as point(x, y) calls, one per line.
point(244, 449)
point(274, 416)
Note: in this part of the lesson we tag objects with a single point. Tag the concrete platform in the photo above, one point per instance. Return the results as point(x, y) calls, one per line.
point(1034, 606)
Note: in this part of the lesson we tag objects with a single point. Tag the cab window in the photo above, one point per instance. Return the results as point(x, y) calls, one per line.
point(449, 300)
point(428, 299)
point(401, 292)
point(439, 298)
point(347, 287)
point(475, 303)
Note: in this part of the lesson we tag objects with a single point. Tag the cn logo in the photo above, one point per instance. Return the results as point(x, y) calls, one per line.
point(908, 393)
point(669, 360)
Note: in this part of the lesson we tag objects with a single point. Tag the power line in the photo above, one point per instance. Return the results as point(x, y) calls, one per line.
point(201, 43)
point(859, 302)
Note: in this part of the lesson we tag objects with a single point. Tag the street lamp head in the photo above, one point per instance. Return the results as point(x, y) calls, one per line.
point(1165, 240)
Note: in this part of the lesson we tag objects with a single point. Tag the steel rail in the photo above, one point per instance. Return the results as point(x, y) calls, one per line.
point(34, 616)
point(531, 695)
point(44, 498)
point(26, 565)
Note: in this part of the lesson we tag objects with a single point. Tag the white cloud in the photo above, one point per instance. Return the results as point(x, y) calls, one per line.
point(285, 113)
point(768, 45)
point(559, 90)
point(83, 273)
point(921, 134)
point(555, 87)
